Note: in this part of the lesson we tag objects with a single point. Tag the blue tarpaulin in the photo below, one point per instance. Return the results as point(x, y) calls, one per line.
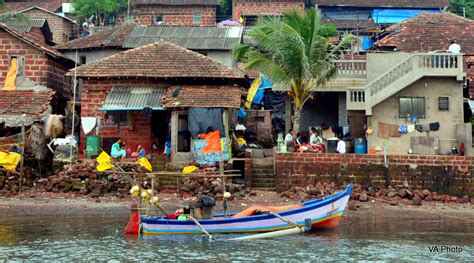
point(391, 16)
point(367, 42)
point(260, 94)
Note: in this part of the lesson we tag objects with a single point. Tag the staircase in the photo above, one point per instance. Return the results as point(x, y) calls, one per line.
point(402, 75)
point(263, 174)
point(159, 164)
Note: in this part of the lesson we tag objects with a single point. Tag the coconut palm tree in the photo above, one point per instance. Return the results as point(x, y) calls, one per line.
point(294, 51)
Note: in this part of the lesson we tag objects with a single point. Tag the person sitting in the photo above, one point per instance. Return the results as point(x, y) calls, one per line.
point(303, 145)
point(116, 151)
point(315, 141)
point(140, 153)
point(289, 138)
point(341, 146)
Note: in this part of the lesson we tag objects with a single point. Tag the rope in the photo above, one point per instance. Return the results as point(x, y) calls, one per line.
point(281, 218)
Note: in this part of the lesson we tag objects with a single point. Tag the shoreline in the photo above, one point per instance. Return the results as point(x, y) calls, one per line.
point(60, 204)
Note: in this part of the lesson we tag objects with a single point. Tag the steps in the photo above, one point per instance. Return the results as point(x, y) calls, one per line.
point(263, 174)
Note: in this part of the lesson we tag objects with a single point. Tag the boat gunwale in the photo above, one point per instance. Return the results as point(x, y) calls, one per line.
point(309, 205)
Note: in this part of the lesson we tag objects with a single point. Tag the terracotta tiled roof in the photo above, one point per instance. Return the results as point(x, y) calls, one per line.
point(253, 74)
point(384, 3)
point(176, 2)
point(202, 97)
point(114, 37)
point(34, 42)
point(470, 75)
point(158, 60)
point(51, 5)
point(17, 102)
point(429, 32)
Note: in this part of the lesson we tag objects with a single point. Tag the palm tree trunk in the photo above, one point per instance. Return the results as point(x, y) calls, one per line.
point(297, 119)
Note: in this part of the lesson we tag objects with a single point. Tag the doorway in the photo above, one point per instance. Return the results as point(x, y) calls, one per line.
point(160, 128)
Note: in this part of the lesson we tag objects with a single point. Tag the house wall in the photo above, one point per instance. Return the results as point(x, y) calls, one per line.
point(39, 68)
point(91, 55)
point(380, 63)
point(172, 15)
point(224, 57)
point(62, 29)
point(443, 174)
point(429, 88)
point(263, 7)
point(94, 92)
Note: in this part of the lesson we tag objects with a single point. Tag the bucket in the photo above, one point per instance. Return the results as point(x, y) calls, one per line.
point(332, 145)
point(372, 151)
point(92, 146)
point(360, 146)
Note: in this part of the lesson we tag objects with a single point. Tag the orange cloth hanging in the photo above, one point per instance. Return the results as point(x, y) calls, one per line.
point(213, 142)
point(11, 76)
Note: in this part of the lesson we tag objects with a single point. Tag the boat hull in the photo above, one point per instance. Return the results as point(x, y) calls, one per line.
point(323, 213)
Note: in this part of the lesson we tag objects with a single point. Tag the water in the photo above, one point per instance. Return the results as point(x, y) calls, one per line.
point(359, 237)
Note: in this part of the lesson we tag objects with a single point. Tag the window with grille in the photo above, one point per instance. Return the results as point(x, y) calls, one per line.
point(443, 103)
point(412, 106)
point(197, 18)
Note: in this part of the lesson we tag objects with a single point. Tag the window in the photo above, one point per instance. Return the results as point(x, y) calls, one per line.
point(20, 60)
point(118, 117)
point(443, 103)
point(184, 137)
point(197, 18)
point(158, 19)
point(82, 60)
point(414, 106)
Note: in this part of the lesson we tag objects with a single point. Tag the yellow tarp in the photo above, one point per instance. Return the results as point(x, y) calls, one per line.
point(11, 75)
point(189, 169)
point(143, 162)
point(103, 161)
point(252, 91)
point(9, 160)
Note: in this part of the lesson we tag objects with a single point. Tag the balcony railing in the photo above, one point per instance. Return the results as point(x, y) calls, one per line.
point(351, 68)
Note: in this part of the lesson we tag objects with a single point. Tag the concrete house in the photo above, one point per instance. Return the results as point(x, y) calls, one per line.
point(213, 41)
point(172, 12)
point(143, 95)
point(251, 10)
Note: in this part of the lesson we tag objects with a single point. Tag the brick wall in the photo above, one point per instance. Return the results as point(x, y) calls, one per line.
point(61, 28)
point(260, 122)
point(263, 7)
point(172, 15)
point(138, 131)
point(445, 174)
point(39, 67)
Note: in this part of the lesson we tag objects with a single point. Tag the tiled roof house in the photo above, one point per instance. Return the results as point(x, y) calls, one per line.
point(131, 81)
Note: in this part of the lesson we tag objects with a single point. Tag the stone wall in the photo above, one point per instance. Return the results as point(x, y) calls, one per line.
point(263, 7)
point(136, 131)
point(444, 174)
point(172, 15)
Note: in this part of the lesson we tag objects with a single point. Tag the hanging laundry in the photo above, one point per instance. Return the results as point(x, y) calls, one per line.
point(411, 128)
point(434, 126)
point(10, 80)
point(213, 142)
point(88, 124)
point(384, 130)
point(252, 92)
point(403, 129)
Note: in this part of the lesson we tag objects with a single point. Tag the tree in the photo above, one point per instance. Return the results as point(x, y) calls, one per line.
point(294, 51)
point(8, 16)
point(225, 10)
point(102, 9)
point(462, 6)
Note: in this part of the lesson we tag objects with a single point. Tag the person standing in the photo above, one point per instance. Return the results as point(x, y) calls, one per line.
point(289, 137)
point(454, 48)
point(341, 146)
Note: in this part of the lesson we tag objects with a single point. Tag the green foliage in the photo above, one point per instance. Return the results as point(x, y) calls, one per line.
point(294, 51)
point(225, 10)
point(460, 6)
point(7, 16)
point(101, 9)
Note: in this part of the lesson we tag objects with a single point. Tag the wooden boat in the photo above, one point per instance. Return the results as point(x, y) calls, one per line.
point(323, 213)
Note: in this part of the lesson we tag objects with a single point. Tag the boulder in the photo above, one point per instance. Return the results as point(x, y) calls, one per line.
point(417, 200)
point(363, 197)
point(402, 193)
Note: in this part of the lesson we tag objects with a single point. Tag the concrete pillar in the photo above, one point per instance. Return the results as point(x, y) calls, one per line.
point(287, 113)
point(342, 107)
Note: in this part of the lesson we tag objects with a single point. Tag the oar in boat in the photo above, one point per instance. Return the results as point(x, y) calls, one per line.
point(295, 230)
point(199, 225)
